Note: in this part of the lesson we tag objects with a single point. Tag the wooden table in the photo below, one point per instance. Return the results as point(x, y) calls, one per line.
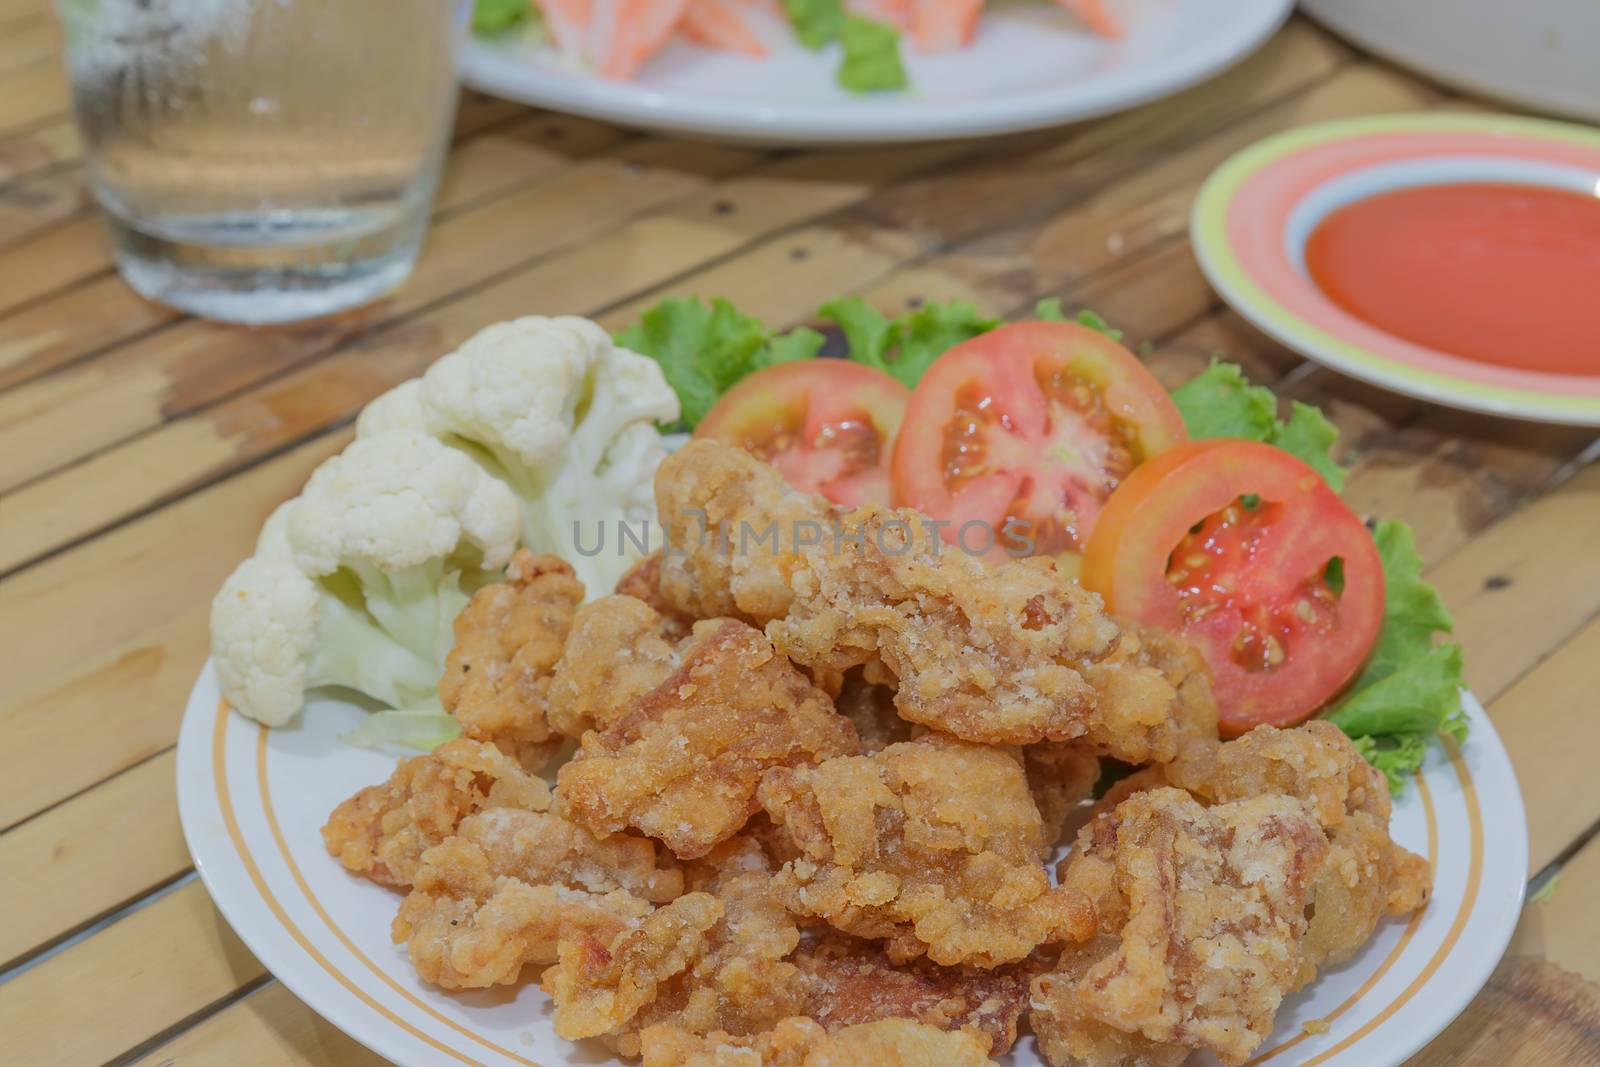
point(140, 451)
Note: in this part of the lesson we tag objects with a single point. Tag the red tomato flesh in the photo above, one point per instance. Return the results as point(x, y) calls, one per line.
point(1233, 544)
point(1030, 426)
point(827, 425)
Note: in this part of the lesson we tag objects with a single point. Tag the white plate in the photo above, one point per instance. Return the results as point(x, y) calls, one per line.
point(252, 802)
point(1029, 66)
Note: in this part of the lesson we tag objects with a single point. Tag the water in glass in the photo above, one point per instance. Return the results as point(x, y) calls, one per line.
point(263, 160)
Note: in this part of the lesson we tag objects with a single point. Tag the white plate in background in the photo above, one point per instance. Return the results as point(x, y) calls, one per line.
point(1029, 66)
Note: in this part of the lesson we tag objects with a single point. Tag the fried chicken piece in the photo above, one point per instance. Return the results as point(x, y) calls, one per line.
point(739, 980)
point(1061, 775)
point(1137, 721)
point(848, 981)
point(1004, 654)
point(801, 1042)
point(1202, 915)
point(1367, 876)
point(683, 762)
point(504, 890)
point(643, 582)
point(1314, 762)
point(870, 707)
point(383, 830)
point(508, 638)
point(600, 983)
point(731, 524)
point(620, 648)
point(932, 844)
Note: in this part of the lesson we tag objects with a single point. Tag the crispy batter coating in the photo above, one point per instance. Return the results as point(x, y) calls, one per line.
point(620, 649)
point(384, 829)
point(1367, 876)
point(1061, 776)
point(600, 983)
point(683, 762)
point(643, 582)
point(932, 844)
point(731, 525)
point(1314, 762)
point(510, 884)
point(508, 638)
point(848, 981)
point(1007, 654)
point(1137, 721)
point(740, 981)
point(1202, 919)
point(801, 1042)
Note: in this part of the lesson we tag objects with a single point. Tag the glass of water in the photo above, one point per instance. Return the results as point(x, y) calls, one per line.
point(264, 161)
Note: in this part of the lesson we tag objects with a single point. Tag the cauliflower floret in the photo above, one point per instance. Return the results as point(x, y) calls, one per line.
point(356, 582)
point(561, 414)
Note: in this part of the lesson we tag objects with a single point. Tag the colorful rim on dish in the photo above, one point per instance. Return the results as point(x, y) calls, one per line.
point(1251, 211)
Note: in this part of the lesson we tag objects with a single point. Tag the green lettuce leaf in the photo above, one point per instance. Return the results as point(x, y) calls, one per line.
point(704, 350)
point(490, 17)
point(904, 346)
point(1411, 687)
point(871, 56)
point(1049, 310)
point(815, 22)
point(1220, 402)
point(1310, 437)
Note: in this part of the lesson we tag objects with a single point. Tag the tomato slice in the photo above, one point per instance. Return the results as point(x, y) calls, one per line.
point(827, 425)
point(1029, 427)
point(1233, 544)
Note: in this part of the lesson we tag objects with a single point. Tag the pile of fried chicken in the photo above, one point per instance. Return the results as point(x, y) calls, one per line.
point(814, 797)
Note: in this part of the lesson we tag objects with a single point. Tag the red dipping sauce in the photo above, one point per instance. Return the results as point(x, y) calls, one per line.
point(1497, 273)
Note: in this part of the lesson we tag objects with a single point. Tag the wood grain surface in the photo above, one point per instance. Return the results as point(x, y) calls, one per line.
point(140, 451)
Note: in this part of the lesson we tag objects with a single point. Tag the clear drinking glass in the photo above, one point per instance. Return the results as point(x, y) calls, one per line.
point(263, 161)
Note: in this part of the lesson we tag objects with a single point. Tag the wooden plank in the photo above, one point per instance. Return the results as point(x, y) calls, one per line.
point(73, 652)
point(126, 984)
point(1531, 1014)
point(67, 416)
point(94, 853)
point(22, 10)
point(1544, 720)
point(267, 1028)
point(1522, 587)
point(50, 260)
point(25, 41)
point(78, 321)
point(30, 206)
point(1562, 926)
point(42, 148)
point(31, 93)
point(1150, 205)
